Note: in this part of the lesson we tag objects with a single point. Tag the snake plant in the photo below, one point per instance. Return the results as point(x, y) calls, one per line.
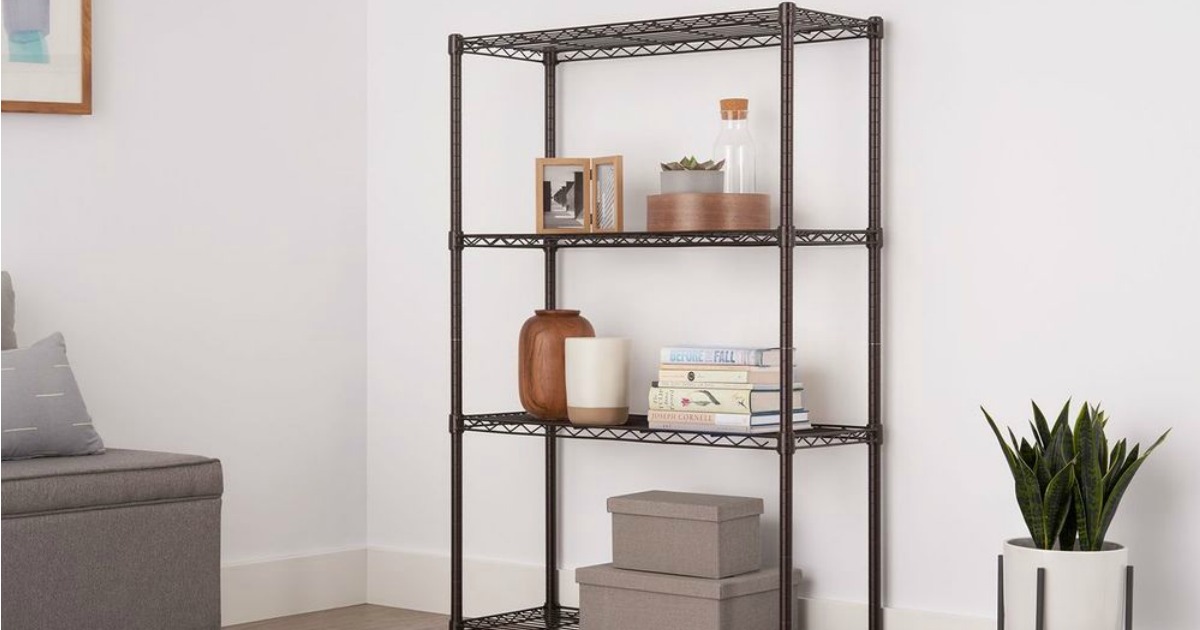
point(1068, 483)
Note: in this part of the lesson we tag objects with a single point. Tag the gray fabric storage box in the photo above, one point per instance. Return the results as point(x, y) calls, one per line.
point(614, 599)
point(126, 540)
point(681, 533)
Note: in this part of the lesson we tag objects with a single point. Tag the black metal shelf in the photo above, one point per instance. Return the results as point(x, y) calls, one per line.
point(563, 618)
point(637, 430)
point(784, 27)
point(750, 238)
point(697, 33)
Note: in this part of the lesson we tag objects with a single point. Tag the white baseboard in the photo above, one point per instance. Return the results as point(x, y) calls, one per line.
point(277, 587)
point(406, 579)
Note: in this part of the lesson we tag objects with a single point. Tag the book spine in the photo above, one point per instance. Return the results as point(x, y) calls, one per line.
point(713, 385)
point(712, 356)
point(716, 428)
point(720, 419)
point(704, 376)
point(708, 400)
point(756, 387)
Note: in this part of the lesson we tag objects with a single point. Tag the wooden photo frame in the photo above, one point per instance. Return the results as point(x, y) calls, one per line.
point(608, 205)
point(580, 195)
point(564, 195)
point(46, 58)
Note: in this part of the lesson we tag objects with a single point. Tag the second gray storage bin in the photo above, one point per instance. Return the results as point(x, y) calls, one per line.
point(681, 533)
point(613, 599)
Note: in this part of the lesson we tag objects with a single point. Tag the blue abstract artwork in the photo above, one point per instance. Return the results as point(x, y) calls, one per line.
point(26, 26)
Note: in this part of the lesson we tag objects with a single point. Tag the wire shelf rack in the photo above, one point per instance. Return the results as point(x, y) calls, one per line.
point(559, 618)
point(757, 28)
point(638, 430)
point(753, 238)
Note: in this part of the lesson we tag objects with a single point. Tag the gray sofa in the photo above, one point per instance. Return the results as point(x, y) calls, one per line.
point(125, 540)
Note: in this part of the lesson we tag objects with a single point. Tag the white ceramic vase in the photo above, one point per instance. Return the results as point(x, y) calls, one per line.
point(1085, 590)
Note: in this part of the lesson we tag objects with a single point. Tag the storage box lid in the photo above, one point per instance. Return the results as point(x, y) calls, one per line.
point(685, 505)
point(116, 478)
point(704, 588)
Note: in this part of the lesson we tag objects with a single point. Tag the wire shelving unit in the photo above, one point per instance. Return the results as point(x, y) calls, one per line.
point(783, 27)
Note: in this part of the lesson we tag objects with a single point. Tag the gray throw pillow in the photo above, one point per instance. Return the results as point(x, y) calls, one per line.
point(43, 411)
point(9, 340)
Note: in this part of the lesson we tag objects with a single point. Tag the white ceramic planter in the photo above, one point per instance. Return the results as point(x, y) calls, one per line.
point(673, 182)
point(1085, 590)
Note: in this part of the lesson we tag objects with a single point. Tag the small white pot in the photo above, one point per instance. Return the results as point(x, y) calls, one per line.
point(672, 182)
point(1085, 590)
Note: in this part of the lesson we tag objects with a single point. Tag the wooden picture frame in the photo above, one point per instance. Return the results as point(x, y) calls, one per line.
point(608, 204)
point(564, 195)
point(29, 103)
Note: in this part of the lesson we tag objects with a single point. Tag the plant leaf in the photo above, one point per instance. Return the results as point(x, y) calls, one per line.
point(1089, 497)
point(1101, 440)
point(1041, 430)
point(1056, 504)
point(1113, 501)
point(1028, 455)
point(1116, 464)
point(1044, 467)
point(1025, 484)
point(1070, 528)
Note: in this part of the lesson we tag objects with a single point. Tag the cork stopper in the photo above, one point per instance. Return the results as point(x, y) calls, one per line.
point(734, 108)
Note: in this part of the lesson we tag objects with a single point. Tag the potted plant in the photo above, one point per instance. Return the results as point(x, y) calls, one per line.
point(692, 176)
point(1069, 484)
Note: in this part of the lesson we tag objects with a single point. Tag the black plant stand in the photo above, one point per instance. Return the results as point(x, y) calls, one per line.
point(784, 27)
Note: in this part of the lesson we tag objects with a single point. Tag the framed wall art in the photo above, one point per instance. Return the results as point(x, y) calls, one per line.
point(580, 195)
point(46, 56)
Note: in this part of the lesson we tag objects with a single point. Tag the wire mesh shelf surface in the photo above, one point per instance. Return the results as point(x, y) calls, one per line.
point(696, 33)
point(530, 619)
point(751, 238)
point(638, 430)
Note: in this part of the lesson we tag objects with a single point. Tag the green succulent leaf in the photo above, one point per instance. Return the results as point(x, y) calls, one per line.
point(1089, 495)
point(1116, 464)
point(1113, 500)
point(1041, 430)
point(690, 163)
point(1101, 439)
point(1070, 527)
point(1028, 493)
point(1056, 504)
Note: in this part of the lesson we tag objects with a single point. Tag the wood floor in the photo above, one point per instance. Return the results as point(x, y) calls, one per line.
point(365, 617)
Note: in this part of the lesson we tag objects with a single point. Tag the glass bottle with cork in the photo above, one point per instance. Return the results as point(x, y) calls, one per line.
point(735, 146)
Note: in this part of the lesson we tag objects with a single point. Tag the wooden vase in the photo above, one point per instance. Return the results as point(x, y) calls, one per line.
point(541, 362)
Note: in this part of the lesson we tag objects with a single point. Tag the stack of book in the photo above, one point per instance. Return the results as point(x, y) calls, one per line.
point(726, 390)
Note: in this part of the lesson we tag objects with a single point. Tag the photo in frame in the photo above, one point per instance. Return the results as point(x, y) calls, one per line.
point(46, 56)
point(580, 195)
point(608, 209)
point(564, 195)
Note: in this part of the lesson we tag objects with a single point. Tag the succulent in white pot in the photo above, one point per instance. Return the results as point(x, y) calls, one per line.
point(690, 175)
point(1069, 484)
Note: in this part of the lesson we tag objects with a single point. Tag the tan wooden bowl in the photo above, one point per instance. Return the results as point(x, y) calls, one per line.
point(703, 212)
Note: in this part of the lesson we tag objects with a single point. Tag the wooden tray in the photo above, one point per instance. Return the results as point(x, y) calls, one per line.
point(702, 212)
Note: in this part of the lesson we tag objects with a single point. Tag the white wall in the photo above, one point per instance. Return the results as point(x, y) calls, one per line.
point(200, 242)
point(1041, 209)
